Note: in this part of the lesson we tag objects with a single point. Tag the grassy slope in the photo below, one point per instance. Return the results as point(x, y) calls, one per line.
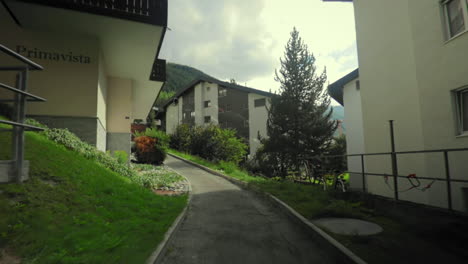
point(73, 210)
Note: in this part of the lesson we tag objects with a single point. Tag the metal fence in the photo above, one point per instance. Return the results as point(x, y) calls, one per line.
point(393, 154)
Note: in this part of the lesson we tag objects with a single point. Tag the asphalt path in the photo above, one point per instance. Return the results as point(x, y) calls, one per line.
point(225, 224)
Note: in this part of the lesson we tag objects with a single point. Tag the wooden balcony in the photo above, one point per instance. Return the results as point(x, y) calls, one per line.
point(152, 12)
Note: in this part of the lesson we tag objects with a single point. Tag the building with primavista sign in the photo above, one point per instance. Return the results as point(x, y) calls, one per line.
point(208, 100)
point(100, 58)
point(413, 65)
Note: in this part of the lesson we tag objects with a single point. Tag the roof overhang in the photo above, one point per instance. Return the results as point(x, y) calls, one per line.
point(335, 90)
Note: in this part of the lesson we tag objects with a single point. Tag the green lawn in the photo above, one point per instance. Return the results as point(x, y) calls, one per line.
point(73, 210)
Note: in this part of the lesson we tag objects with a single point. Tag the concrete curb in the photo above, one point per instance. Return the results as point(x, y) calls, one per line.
point(162, 247)
point(340, 252)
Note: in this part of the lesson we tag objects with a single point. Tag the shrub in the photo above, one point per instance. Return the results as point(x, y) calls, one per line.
point(121, 156)
point(209, 142)
point(151, 146)
point(147, 150)
point(181, 138)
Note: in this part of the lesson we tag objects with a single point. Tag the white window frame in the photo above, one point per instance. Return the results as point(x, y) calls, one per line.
point(222, 92)
point(444, 4)
point(459, 104)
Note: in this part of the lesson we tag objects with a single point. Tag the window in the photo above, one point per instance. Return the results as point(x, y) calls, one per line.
point(462, 109)
point(358, 85)
point(456, 16)
point(208, 88)
point(246, 123)
point(259, 102)
point(192, 114)
point(207, 119)
point(228, 108)
point(221, 108)
point(222, 92)
point(207, 103)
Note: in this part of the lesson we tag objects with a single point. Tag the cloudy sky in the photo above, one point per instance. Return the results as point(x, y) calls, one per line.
point(244, 39)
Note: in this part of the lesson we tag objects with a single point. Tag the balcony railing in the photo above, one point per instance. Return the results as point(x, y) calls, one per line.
point(146, 11)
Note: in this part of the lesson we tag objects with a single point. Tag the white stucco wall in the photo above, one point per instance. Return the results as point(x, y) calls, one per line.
point(209, 92)
point(407, 73)
point(441, 67)
point(258, 117)
point(198, 91)
point(354, 131)
point(102, 91)
point(173, 117)
point(119, 105)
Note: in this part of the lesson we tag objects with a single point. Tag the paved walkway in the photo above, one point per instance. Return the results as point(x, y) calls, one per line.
point(226, 225)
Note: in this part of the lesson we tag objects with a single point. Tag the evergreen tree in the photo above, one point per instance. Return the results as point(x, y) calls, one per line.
point(299, 123)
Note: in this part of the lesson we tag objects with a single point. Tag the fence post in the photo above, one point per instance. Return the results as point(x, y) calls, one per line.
point(363, 174)
point(394, 161)
point(447, 175)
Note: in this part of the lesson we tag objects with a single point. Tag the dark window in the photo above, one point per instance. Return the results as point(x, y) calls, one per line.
point(358, 85)
point(259, 102)
point(207, 119)
point(228, 108)
point(462, 109)
point(207, 103)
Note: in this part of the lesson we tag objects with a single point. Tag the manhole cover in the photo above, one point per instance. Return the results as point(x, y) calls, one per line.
point(349, 226)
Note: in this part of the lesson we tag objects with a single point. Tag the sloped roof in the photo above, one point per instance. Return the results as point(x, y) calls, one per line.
point(335, 90)
point(220, 83)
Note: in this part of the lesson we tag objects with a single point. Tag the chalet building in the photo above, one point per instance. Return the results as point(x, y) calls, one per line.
point(208, 100)
point(413, 65)
point(100, 59)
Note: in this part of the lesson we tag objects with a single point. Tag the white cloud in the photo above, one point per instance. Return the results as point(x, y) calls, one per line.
point(244, 39)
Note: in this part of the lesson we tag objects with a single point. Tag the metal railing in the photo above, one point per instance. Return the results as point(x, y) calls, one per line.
point(19, 111)
point(145, 11)
point(394, 166)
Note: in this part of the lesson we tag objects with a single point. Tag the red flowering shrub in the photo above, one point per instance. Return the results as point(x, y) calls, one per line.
point(148, 151)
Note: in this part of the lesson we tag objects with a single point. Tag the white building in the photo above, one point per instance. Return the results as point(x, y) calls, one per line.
point(100, 58)
point(413, 69)
point(207, 100)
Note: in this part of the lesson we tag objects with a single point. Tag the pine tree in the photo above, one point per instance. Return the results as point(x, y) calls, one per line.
point(299, 123)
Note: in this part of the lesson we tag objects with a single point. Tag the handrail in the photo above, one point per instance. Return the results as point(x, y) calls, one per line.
point(38, 98)
point(21, 125)
point(19, 173)
point(33, 65)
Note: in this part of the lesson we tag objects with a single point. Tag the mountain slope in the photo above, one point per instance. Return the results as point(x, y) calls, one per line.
point(179, 76)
